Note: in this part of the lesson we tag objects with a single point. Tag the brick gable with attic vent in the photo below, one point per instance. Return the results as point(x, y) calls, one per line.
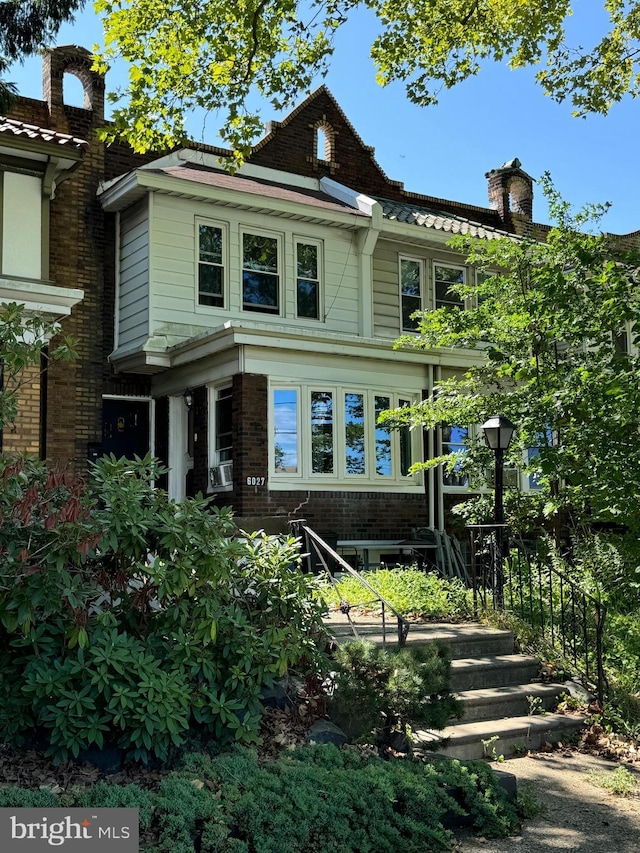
point(291, 145)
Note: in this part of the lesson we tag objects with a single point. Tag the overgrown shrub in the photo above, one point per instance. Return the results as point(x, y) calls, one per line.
point(380, 691)
point(315, 798)
point(131, 619)
point(411, 592)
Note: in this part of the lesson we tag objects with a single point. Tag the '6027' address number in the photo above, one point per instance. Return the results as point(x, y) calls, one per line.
point(256, 481)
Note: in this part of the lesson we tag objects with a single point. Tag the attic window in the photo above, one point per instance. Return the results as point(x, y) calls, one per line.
point(324, 142)
point(77, 88)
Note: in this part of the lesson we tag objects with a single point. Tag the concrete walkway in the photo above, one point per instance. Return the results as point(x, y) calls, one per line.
point(578, 815)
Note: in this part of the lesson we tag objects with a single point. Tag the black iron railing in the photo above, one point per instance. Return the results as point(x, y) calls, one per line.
point(512, 575)
point(319, 553)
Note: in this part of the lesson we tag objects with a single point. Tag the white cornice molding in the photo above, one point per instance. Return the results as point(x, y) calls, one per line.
point(39, 297)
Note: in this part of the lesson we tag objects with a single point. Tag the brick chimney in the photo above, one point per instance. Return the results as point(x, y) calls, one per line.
point(71, 59)
point(511, 194)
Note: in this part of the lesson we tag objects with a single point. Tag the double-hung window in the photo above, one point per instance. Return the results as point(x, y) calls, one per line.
point(308, 272)
point(223, 424)
point(410, 291)
point(444, 276)
point(285, 420)
point(261, 259)
point(211, 263)
point(454, 440)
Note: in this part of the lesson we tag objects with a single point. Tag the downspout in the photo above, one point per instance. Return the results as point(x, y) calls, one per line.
point(430, 454)
point(367, 240)
point(438, 482)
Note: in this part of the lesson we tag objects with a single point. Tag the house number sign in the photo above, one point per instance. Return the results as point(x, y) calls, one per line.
point(256, 481)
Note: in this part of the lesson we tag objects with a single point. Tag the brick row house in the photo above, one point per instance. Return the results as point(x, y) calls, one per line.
point(241, 327)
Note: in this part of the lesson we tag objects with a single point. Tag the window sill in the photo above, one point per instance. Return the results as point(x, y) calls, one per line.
point(299, 485)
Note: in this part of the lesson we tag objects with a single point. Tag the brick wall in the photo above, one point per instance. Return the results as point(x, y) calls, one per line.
point(292, 146)
point(82, 255)
point(336, 514)
point(23, 436)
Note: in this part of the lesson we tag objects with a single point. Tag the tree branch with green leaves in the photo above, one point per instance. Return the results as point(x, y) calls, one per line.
point(218, 57)
point(557, 326)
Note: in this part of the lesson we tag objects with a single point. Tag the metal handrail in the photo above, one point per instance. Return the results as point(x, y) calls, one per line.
point(301, 530)
point(571, 619)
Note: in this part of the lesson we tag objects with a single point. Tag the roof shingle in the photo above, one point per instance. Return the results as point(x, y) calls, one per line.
point(415, 214)
point(257, 186)
point(40, 134)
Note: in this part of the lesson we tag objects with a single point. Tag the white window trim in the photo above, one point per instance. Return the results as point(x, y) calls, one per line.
point(421, 266)
point(212, 453)
point(212, 398)
point(340, 479)
point(279, 237)
point(436, 263)
point(287, 475)
point(309, 241)
point(224, 226)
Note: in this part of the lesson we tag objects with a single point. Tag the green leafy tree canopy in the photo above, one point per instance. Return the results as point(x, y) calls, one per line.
point(555, 325)
point(25, 27)
point(214, 55)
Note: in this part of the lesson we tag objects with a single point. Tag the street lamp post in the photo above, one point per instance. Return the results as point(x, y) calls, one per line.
point(498, 432)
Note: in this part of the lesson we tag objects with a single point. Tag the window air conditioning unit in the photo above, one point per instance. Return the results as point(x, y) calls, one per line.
point(221, 475)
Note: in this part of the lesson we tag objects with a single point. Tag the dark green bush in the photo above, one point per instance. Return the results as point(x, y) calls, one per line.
point(381, 691)
point(315, 798)
point(336, 801)
point(130, 619)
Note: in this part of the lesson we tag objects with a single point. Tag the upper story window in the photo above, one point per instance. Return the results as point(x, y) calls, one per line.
point(444, 276)
point(211, 265)
point(308, 279)
point(411, 292)
point(260, 273)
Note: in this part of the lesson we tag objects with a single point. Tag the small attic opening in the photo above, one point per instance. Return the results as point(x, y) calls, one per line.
point(520, 197)
point(325, 139)
point(77, 88)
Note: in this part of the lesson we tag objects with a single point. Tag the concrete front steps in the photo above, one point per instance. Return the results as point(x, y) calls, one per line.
point(493, 682)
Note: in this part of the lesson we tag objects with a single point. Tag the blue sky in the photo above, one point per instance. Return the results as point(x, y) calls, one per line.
point(444, 151)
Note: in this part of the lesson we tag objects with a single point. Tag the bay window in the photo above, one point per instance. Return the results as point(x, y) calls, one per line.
point(454, 440)
point(321, 432)
point(285, 431)
point(332, 433)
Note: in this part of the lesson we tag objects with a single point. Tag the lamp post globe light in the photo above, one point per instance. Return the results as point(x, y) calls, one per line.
point(498, 432)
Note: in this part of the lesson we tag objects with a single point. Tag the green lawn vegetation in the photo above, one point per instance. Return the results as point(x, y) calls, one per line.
point(316, 798)
point(410, 591)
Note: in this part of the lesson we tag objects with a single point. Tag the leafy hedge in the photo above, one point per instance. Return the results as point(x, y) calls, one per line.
point(129, 619)
point(409, 591)
point(316, 798)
